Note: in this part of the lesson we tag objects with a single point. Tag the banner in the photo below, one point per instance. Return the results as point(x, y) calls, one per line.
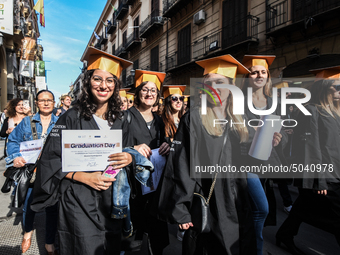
point(6, 16)
point(28, 48)
point(40, 68)
point(26, 68)
point(40, 83)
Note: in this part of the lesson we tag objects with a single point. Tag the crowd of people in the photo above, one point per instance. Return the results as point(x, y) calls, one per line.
point(79, 205)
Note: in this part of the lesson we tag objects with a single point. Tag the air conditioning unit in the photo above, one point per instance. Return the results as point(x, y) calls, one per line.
point(199, 17)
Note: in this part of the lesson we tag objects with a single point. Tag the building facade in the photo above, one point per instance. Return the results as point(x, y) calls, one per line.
point(170, 35)
point(12, 47)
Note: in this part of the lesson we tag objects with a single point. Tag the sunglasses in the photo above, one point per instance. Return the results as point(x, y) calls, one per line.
point(130, 101)
point(175, 99)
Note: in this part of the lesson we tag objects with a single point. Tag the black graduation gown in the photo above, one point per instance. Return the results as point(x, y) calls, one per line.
point(276, 158)
point(232, 229)
point(144, 207)
point(85, 225)
point(316, 141)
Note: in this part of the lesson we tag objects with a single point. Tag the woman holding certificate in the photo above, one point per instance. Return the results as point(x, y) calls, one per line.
point(147, 130)
point(85, 200)
point(44, 121)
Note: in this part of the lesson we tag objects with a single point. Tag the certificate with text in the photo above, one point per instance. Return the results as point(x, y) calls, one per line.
point(88, 150)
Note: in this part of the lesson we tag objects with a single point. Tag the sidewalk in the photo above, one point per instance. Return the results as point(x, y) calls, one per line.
point(11, 223)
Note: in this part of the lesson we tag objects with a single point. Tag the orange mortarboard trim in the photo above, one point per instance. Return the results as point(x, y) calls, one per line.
point(155, 77)
point(258, 60)
point(327, 73)
point(98, 59)
point(225, 65)
point(173, 89)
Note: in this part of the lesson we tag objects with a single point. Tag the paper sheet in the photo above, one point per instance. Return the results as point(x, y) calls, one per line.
point(30, 150)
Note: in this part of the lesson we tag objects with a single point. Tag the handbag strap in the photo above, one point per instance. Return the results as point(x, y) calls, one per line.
point(215, 178)
point(33, 129)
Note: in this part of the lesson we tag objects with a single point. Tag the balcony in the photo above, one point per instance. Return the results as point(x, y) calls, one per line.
point(240, 32)
point(120, 52)
point(130, 80)
point(103, 39)
point(171, 7)
point(122, 9)
point(171, 61)
point(130, 2)
point(98, 46)
point(111, 26)
point(206, 45)
point(133, 40)
point(307, 18)
point(151, 23)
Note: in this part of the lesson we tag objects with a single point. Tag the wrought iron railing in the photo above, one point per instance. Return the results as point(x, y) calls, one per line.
point(154, 18)
point(277, 14)
point(132, 37)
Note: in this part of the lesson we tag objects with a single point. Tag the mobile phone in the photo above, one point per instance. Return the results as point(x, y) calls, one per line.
point(110, 172)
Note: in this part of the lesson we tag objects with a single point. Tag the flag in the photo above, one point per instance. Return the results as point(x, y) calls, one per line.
point(113, 7)
point(97, 36)
point(39, 7)
point(104, 23)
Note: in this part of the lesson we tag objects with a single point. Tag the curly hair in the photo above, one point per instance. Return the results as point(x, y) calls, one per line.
point(168, 119)
point(138, 89)
point(11, 112)
point(87, 107)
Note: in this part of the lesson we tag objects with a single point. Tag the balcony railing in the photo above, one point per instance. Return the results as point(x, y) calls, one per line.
point(170, 7)
point(133, 39)
point(130, 80)
point(240, 31)
point(112, 26)
point(171, 61)
point(151, 23)
point(103, 39)
point(277, 14)
point(306, 8)
point(120, 51)
point(122, 9)
point(206, 45)
point(98, 45)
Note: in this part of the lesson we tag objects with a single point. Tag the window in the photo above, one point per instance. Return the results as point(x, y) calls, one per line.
point(136, 28)
point(113, 49)
point(124, 78)
point(154, 59)
point(184, 45)
point(124, 38)
point(135, 64)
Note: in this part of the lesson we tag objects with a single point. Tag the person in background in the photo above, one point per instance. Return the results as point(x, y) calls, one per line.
point(186, 99)
point(147, 131)
point(85, 225)
point(64, 106)
point(130, 99)
point(316, 142)
point(3, 117)
point(199, 143)
point(173, 108)
point(44, 121)
point(263, 203)
point(122, 94)
point(15, 113)
point(28, 110)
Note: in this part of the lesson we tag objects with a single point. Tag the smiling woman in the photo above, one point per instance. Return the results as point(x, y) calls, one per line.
point(85, 223)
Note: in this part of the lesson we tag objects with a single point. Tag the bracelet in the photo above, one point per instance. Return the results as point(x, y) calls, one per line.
point(73, 176)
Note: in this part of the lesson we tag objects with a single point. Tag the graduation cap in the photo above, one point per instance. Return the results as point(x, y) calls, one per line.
point(173, 89)
point(281, 84)
point(258, 60)
point(225, 65)
point(155, 77)
point(122, 92)
point(327, 73)
point(98, 59)
point(186, 98)
point(130, 96)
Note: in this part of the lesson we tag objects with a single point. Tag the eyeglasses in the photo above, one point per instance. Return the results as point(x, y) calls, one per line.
point(97, 81)
point(43, 101)
point(337, 87)
point(175, 99)
point(146, 91)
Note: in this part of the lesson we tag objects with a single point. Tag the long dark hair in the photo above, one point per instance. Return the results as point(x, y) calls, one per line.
point(11, 112)
point(168, 119)
point(87, 107)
